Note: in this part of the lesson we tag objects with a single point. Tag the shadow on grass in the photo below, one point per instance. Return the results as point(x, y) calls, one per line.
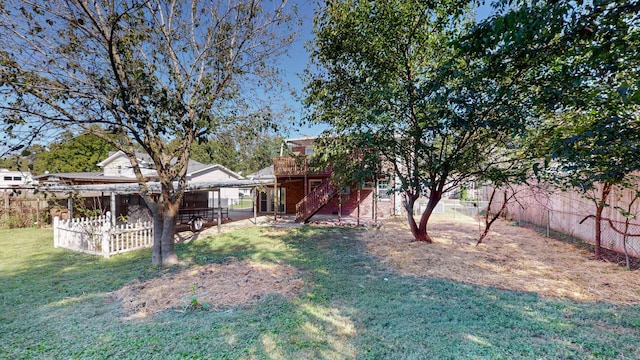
point(352, 307)
point(384, 315)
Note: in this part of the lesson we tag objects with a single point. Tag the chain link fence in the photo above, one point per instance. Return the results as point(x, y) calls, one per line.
point(572, 214)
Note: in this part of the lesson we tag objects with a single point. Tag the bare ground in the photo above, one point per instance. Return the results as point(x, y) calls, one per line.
point(512, 258)
point(210, 286)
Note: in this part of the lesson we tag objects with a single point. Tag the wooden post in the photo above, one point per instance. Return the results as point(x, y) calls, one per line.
point(275, 200)
point(358, 217)
point(219, 213)
point(70, 205)
point(255, 205)
point(106, 234)
point(38, 212)
point(374, 203)
point(112, 208)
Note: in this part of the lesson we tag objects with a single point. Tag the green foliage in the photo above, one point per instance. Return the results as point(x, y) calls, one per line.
point(238, 152)
point(395, 86)
point(157, 75)
point(194, 304)
point(69, 153)
point(578, 64)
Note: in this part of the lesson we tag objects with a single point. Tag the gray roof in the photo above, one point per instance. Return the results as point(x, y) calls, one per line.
point(266, 173)
point(133, 188)
point(94, 175)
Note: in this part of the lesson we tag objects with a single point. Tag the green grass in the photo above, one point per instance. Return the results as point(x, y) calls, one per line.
point(54, 305)
point(245, 203)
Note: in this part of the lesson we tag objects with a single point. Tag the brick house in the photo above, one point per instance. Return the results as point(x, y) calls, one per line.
point(308, 192)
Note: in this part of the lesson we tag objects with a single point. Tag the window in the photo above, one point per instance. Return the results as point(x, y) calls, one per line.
point(314, 183)
point(17, 178)
point(7, 178)
point(384, 190)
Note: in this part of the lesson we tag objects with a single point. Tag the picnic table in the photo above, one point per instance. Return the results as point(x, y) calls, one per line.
point(196, 217)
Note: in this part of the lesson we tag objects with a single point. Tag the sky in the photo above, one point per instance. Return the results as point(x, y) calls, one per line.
point(296, 61)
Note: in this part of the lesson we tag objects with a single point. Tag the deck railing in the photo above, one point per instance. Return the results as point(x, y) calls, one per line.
point(296, 166)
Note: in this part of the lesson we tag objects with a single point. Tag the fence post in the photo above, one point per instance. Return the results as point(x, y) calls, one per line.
point(519, 215)
point(56, 231)
point(106, 235)
point(548, 222)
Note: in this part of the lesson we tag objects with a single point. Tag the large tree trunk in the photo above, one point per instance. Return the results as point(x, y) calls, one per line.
point(434, 199)
point(169, 256)
point(419, 231)
point(156, 257)
point(410, 201)
point(164, 225)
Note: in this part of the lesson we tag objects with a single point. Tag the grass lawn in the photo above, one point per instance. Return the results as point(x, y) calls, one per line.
point(54, 304)
point(243, 203)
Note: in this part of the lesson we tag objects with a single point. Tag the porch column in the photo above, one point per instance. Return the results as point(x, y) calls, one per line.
point(112, 207)
point(275, 200)
point(70, 205)
point(374, 203)
point(254, 192)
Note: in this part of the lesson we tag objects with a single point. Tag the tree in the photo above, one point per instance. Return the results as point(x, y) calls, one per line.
point(238, 152)
point(148, 71)
point(578, 63)
point(392, 83)
point(70, 153)
point(73, 154)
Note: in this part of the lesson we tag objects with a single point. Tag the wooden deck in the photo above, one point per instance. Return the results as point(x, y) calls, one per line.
point(296, 166)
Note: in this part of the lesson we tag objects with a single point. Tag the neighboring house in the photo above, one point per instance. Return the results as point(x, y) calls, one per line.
point(117, 170)
point(305, 191)
point(15, 179)
point(118, 164)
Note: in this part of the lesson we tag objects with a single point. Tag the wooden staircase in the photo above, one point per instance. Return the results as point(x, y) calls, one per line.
point(315, 200)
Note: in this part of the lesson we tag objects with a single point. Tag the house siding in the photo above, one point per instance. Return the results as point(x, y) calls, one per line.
point(294, 193)
point(212, 175)
point(350, 205)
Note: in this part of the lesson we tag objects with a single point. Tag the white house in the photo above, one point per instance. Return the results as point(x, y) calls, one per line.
point(117, 169)
point(15, 179)
point(118, 165)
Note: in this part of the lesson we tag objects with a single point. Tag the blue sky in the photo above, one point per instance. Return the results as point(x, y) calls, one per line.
point(294, 64)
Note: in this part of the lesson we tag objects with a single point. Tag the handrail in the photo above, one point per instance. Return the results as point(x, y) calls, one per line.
point(311, 203)
point(295, 166)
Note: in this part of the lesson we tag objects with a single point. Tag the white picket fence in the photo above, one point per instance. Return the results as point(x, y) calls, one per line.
point(98, 236)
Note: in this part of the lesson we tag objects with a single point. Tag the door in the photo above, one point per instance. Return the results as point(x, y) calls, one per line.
point(267, 201)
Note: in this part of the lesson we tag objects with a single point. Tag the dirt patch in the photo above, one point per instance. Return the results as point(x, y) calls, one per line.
point(511, 258)
point(213, 286)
